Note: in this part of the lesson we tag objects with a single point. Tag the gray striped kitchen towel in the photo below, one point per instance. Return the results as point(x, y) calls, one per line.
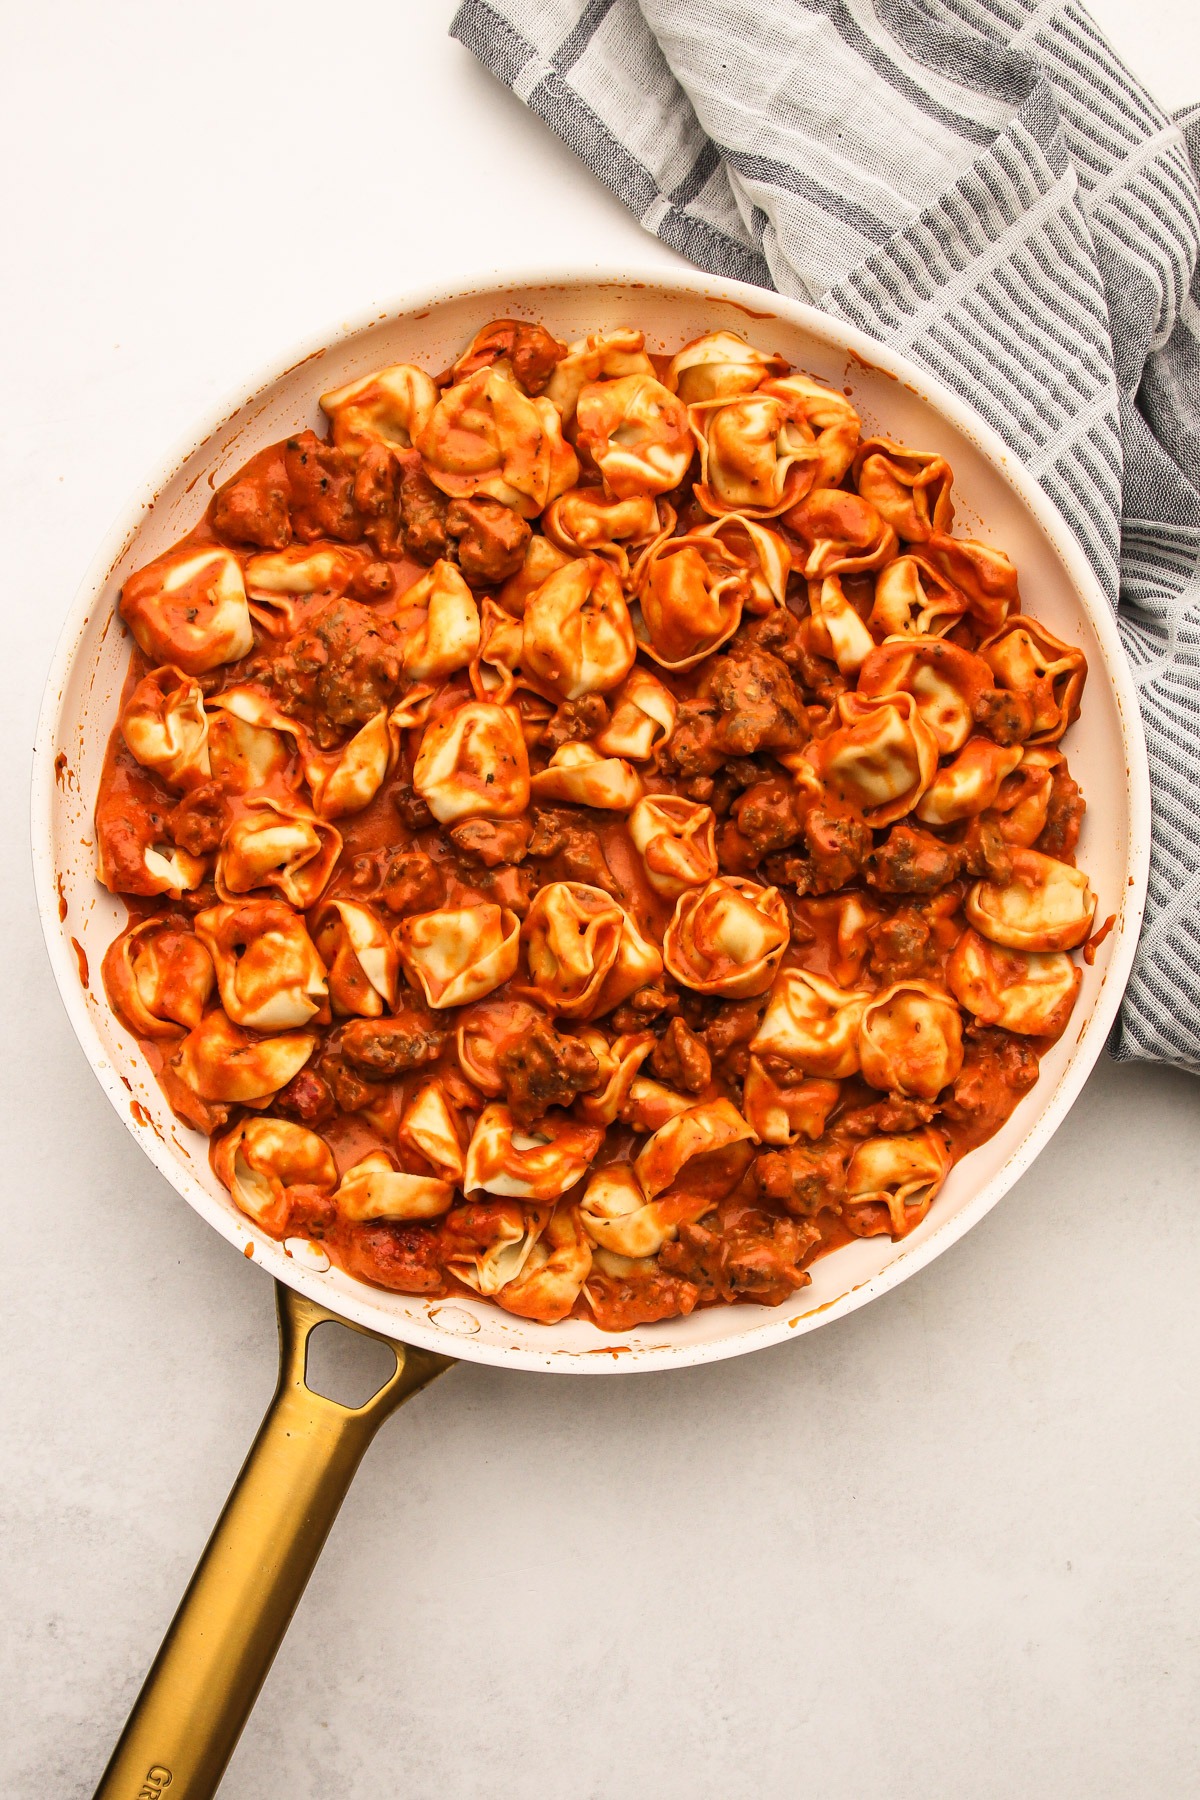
point(982, 184)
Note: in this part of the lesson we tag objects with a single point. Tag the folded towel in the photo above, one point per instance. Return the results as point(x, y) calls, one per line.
point(983, 185)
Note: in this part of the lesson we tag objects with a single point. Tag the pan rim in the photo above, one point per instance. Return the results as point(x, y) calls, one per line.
point(360, 1306)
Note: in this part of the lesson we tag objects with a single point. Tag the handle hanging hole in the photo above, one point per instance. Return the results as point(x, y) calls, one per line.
point(346, 1367)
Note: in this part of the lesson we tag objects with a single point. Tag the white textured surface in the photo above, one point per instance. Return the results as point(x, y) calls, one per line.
point(947, 1547)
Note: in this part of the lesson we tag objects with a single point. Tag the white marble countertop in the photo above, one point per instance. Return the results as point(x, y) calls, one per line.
point(947, 1546)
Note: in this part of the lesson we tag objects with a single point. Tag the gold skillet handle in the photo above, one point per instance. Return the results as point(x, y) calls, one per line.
point(239, 1603)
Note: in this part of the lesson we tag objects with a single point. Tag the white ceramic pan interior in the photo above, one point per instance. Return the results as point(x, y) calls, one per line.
point(996, 501)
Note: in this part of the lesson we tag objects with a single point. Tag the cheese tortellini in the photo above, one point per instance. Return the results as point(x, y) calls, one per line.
point(264, 1162)
point(459, 954)
point(189, 609)
point(485, 436)
point(577, 635)
point(585, 953)
point(473, 764)
point(727, 937)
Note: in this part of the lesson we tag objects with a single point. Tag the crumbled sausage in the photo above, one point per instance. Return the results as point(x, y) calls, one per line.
point(308, 1098)
point(1004, 714)
point(575, 720)
point(573, 851)
point(423, 510)
point(645, 1009)
point(982, 851)
point(1064, 816)
point(529, 350)
point(321, 490)
point(409, 804)
point(373, 581)
point(910, 861)
point(197, 823)
point(902, 946)
point(693, 750)
point(761, 707)
point(253, 508)
point(753, 1257)
point(895, 1113)
point(995, 1061)
point(681, 1059)
point(491, 539)
point(382, 1048)
point(806, 1179)
point(338, 672)
point(412, 883)
point(728, 1034)
point(492, 841)
point(794, 874)
point(541, 1068)
point(376, 498)
point(400, 1256)
point(839, 844)
point(640, 1297)
point(768, 816)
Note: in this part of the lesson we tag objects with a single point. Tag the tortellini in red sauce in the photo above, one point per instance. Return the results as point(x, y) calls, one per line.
point(459, 954)
point(642, 715)
point(636, 432)
point(361, 960)
point(536, 1164)
point(269, 1165)
point(485, 436)
point(727, 937)
point(189, 609)
point(594, 837)
point(781, 1114)
point(589, 521)
point(392, 406)
point(600, 356)
point(839, 533)
point(473, 763)
point(584, 952)
point(268, 971)
point(691, 591)
point(946, 681)
point(891, 1182)
point(447, 638)
point(982, 573)
point(272, 844)
point(1029, 659)
point(1045, 905)
point(1028, 991)
point(757, 454)
point(910, 488)
point(676, 840)
point(224, 1062)
point(913, 599)
point(165, 727)
point(581, 776)
point(577, 635)
point(375, 1189)
point(158, 977)
point(812, 1025)
point(552, 1275)
point(488, 1241)
point(969, 784)
point(719, 366)
point(880, 759)
point(910, 1040)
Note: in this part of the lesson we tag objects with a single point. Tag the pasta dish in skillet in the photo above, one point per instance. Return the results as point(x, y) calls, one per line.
point(593, 836)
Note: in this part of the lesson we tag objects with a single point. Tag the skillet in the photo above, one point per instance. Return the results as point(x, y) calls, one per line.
point(217, 1652)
